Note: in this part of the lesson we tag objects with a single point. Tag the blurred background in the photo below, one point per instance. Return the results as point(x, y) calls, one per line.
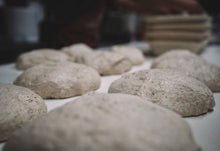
point(31, 24)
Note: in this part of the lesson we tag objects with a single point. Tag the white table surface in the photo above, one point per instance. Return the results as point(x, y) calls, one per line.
point(205, 128)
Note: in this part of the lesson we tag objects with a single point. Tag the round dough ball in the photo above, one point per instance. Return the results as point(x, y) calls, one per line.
point(18, 105)
point(168, 88)
point(39, 56)
point(77, 52)
point(192, 65)
point(105, 122)
point(108, 63)
point(133, 54)
point(59, 80)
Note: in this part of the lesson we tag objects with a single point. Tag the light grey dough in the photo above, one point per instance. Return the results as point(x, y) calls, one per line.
point(168, 88)
point(77, 52)
point(18, 105)
point(105, 122)
point(39, 56)
point(133, 54)
point(59, 80)
point(192, 65)
point(108, 63)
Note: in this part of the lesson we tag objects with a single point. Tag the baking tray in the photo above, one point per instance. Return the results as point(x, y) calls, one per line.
point(205, 128)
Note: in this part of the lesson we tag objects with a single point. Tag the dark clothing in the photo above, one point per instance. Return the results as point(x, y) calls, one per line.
point(74, 21)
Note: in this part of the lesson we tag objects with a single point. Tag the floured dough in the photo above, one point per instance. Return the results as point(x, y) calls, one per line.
point(18, 105)
point(192, 65)
point(133, 54)
point(61, 80)
point(108, 63)
point(168, 88)
point(38, 56)
point(105, 122)
point(77, 52)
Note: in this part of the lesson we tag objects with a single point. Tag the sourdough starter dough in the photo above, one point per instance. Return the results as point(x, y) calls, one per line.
point(77, 52)
point(59, 80)
point(18, 105)
point(35, 57)
point(192, 65)
point(108, 63)
point(105, 122)
point(133, 54)
point(168, 88)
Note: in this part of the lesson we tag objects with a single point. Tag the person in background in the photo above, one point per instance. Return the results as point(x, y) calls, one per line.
point(86, 27)
point(73, 21)
point(161, 6)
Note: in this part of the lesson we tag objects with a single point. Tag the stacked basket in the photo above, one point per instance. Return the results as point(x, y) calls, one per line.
point(165, 33)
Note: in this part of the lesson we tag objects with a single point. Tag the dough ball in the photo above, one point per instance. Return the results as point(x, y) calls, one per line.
point(192, 65)
point(18, 105)
point(105, 122)
point(108, 63)
point(77, 52)
point(59, 80)
point(133, 54)
point(168, 88)
point(35, 57)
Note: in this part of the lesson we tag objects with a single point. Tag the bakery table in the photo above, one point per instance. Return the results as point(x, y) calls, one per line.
point(205, 128)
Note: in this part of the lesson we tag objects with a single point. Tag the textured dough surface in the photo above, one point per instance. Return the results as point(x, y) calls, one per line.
point(192, 65)
point(105, 122)
point(108, 63)
point(39, 56)
point(77, 52)
point(168, 88)
point(18, 105)
point(59, 80)
point(133, 54)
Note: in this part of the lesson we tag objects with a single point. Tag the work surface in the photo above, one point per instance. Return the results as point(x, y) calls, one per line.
point(205, 128)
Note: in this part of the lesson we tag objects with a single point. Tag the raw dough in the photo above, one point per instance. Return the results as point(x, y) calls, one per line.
point(35, 57)
point(105, 122)
point(59, 80)
point(192, 65)
point(133, 54)
point(108, 63)
point(18, 105)
point(77, 52)
point(168, 88)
